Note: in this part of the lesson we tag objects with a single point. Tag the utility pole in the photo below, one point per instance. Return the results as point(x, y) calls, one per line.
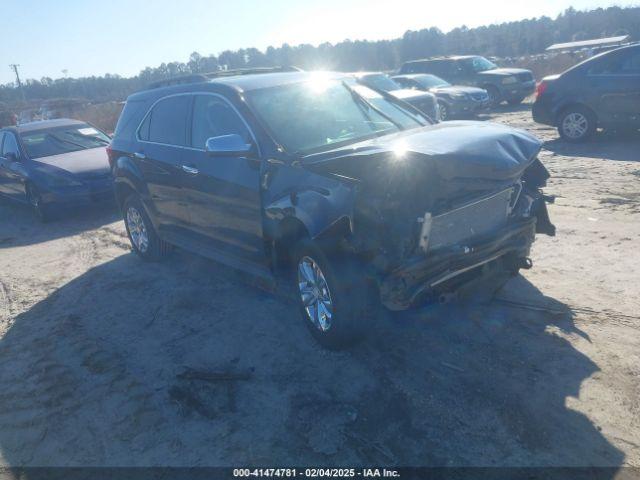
point(14, 67)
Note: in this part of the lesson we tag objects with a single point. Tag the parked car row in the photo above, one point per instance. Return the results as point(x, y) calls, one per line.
point(512, 85)
point(345, 186)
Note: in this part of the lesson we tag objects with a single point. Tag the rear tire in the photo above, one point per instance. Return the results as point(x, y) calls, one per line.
point(445, 114)
point(576, 124)
point(142, 235)
point(494, 95)
point(332, 294)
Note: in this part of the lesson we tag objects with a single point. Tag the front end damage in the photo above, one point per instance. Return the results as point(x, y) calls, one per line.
point(450, 214)
point(481, 242)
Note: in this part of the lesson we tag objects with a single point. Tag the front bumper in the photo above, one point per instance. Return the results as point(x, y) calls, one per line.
point(467, 106)
point(517, 90)
point(427, 277)
point(89, 193)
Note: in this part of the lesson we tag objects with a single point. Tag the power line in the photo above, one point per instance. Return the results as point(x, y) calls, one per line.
point(14, 67)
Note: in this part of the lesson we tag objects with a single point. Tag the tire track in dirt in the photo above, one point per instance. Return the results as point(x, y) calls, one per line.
point(53, 381)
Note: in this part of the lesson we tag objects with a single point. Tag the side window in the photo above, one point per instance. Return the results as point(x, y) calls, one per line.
point(168, 121)
point(416, 67)
point(10, 145)
point(631, 64)
point(434, 68)
point(213, 117)
point(144, 128)
point(424, 67)
point(621, 64)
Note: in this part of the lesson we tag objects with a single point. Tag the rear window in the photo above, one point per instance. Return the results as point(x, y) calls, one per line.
point(56, 141)
point(167, 122)
point(130, 118)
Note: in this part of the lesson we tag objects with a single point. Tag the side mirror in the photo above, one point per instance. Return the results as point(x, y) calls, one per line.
point(227, 146)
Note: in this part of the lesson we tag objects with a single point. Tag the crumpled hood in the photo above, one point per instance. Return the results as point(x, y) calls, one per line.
point(93, 161)
point(504, 71)
point(449, 150)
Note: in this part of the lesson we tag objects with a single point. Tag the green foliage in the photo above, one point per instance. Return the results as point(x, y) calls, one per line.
point(511, 39)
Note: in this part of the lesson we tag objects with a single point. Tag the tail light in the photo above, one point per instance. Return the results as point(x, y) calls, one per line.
point(541, 88)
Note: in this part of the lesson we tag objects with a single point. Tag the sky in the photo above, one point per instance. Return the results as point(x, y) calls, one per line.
point(124, 36)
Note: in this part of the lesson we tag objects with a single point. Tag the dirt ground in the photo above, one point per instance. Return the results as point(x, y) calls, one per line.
point(94, 342)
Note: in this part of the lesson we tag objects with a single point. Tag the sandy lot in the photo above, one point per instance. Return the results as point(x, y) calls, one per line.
point(94, 342)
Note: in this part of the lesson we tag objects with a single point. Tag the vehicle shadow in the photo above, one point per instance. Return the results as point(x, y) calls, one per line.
point(19, 226)
point(185, 363)
point(624, 146)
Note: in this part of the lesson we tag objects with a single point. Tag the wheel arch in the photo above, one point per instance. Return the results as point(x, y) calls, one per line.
point(574, 104)
point(288, 232)
point(122, 190)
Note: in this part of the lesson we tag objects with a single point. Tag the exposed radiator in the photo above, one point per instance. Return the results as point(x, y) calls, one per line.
point(479, 217)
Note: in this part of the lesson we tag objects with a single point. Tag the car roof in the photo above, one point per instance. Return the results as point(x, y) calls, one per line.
point(46, 124)
point(366, 74)
point(450, 57)
point(239, 83)
point(414, 75)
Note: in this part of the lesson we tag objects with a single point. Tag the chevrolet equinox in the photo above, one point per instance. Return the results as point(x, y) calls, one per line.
point(315, 179)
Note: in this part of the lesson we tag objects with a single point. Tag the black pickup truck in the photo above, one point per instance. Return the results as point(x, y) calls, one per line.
point(512, 85)
point(327, 184)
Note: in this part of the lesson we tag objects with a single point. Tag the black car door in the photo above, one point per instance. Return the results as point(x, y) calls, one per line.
point(223, 192)
point(11, 171)
point(614, 87)
point(160, 156)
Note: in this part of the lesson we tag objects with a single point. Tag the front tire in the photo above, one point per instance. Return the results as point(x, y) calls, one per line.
point(445, 114)
point(41, 210)
point(576, 124)
point(332, 295)
point(142, 235)
point(494, 95)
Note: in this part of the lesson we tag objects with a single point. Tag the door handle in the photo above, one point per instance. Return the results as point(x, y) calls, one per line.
point(139, 155)
point(191, 170)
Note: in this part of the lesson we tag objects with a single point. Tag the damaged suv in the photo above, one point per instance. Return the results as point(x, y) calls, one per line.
point(320, 181)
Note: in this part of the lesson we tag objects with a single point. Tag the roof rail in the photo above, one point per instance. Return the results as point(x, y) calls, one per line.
point(203, 77)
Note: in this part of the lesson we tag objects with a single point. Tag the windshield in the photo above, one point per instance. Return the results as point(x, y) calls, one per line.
point(315, 115)
point(380, 82)
point(55, 141)
point(431, 81)
point(480, 64)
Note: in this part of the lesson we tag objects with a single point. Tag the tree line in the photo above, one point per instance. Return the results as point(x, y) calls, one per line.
point(511, 39)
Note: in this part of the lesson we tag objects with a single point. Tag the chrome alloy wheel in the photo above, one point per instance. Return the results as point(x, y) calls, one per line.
point(575, 125)
point(444, 112)
point(314, 293)
point(137, 229)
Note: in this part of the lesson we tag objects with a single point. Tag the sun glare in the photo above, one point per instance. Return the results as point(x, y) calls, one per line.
point(319, 82)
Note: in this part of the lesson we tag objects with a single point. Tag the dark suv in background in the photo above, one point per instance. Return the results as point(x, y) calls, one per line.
point(425, 102)
point(603, 91)
point(453, 100)
point(320, 181)
point(512, 85)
